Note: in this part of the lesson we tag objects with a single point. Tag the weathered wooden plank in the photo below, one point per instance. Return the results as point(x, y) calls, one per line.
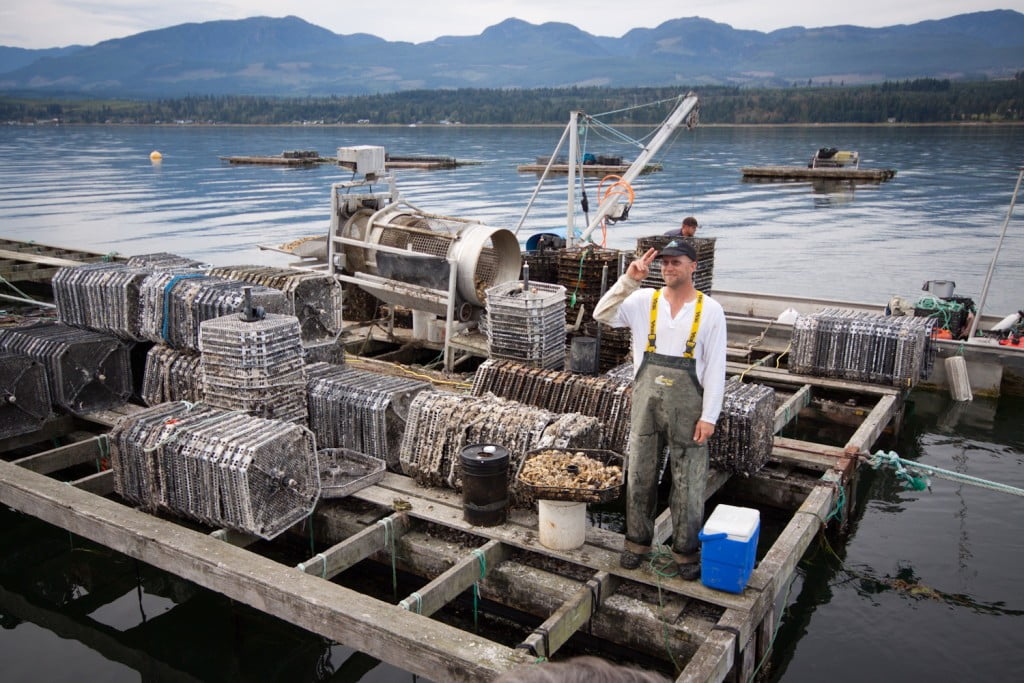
point(713, 661)
point(343, 555)
point(100, 483)
point(784, 377)
point(574, 613)
point(812, 461)
point(414, 643)
point(56, 459)
point(458, 578)
point(639, 624)
point(37, 258)
point(791, 407)
point(869, 431)
point(588, 555)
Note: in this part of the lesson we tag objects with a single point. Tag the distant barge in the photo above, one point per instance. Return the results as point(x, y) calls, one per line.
point(310, 158)
point(874, 175)
point(588, 169)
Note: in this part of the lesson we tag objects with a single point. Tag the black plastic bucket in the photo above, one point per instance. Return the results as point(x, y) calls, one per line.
point(583, 355)
point(484, 484)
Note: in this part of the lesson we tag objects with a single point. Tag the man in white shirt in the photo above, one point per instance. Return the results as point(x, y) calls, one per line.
point(679, 341)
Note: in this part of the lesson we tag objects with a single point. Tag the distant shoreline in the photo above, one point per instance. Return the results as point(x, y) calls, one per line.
point(975, 124)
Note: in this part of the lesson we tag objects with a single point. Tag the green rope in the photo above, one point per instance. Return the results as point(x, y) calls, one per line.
point(579, 278)
point(476, 586)
point(103, 441)
point(661, 560)
point(942, 310)
point(837, 510)
point(389, 542)
point(911, 472)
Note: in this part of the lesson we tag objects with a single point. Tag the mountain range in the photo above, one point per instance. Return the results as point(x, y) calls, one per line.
point(291, 57)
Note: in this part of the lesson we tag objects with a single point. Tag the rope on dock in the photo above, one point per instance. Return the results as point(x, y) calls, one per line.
point(914, 475)
point(476, 585)
point(389, 542)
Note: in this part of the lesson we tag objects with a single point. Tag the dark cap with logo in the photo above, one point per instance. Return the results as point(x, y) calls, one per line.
point(678, 248)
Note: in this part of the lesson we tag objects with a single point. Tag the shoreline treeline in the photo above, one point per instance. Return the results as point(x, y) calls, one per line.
point(924, 100)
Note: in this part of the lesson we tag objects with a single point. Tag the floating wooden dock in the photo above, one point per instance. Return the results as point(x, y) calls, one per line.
point(31, 262)
point(717, 634)
point(588, 169)
point(424, 163)
point(874, 175)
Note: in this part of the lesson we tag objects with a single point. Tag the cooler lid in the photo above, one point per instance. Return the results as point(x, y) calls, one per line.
point(739, 523)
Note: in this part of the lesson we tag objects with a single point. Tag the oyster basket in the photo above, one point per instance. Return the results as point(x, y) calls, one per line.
point(576, 495)
point(344, 471)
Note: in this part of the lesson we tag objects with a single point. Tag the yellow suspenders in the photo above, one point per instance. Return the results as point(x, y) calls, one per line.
point(691, 342)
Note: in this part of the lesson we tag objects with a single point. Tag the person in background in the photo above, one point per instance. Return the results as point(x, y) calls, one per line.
point(679, 344)
point(687, 229)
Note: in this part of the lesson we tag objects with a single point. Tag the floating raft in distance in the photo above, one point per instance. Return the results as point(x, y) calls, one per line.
point(309, 158)
point(875, 175)
point(588, 169)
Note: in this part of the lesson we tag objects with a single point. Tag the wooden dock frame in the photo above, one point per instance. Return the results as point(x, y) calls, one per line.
point(726, 648)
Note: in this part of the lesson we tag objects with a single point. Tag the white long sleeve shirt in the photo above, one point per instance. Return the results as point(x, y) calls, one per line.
point(627, 305)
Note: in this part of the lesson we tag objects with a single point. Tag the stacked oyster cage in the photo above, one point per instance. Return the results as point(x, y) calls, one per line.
point(104, 297)
point(579, 271)
point(162, 261)
point(175, 303)
point(313, 298)
point(705, 248)
point(561, 392)
point(543, 265)
point(527, 325)
point(864, 347)
point(171, 375)
point(440, 424)
point(745, 432)
point(615, 347)
point(24, 395)
point(221, 468)
point(358, 410)
point(254, 365)
point(85, 370)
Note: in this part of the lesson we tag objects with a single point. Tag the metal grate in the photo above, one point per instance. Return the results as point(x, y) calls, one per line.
point(606, 399)
point(174, 304)
point(101, 296)
point(85, 370)
point(313, 298)
point(221, 468)
point(358, 410)
point(24, 395)
point(254, 366)
point(171, 375)
point(527, 325)
point(440, 424)
point(745, 432)
point(863, 347)
point(705, 247)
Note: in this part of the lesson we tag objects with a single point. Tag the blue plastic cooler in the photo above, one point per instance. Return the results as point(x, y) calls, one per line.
point(729, 547)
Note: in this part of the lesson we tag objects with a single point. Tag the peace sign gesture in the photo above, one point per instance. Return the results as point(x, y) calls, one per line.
point(639, 268)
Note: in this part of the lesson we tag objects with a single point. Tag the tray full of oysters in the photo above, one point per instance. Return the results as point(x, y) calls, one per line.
point(578, 475)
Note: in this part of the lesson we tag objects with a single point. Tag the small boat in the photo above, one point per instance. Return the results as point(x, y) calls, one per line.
point(827, 163)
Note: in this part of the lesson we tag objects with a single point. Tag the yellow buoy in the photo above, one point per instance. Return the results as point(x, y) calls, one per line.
point(155, 156)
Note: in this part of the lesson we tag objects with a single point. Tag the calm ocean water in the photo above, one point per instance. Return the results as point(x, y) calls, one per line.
point(925, 583)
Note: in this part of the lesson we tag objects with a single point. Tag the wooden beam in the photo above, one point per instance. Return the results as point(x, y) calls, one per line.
point(406, 640)
point(791, 408)
point(341, 556)
point(37, 258)
point(783, 376)
point(100, 483)
point(867, 434)
point(591, 556)
point(63, 457)
point(456, 579)
point(574, 612)
point(713, 661)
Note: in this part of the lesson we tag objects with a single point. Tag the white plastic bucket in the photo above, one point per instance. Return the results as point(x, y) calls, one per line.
point(563, 524)
point(940, 288)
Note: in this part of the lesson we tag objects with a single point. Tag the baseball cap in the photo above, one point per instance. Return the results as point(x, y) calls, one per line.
point(678, 248)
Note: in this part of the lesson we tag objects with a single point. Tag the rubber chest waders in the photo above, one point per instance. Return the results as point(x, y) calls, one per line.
point(667, 402)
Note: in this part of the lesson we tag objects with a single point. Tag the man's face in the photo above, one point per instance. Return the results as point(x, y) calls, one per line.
point(688, 230)
point(677, 270)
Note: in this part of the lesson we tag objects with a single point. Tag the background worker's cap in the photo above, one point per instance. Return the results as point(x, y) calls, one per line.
point(678, 248)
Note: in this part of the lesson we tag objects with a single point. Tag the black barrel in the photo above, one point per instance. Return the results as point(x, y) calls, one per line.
point(583, 355)
point(484, 484)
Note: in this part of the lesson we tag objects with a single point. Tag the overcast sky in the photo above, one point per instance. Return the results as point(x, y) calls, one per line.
point(54, 23)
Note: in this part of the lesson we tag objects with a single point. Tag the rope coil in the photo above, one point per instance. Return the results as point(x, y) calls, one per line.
point(915, 475)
